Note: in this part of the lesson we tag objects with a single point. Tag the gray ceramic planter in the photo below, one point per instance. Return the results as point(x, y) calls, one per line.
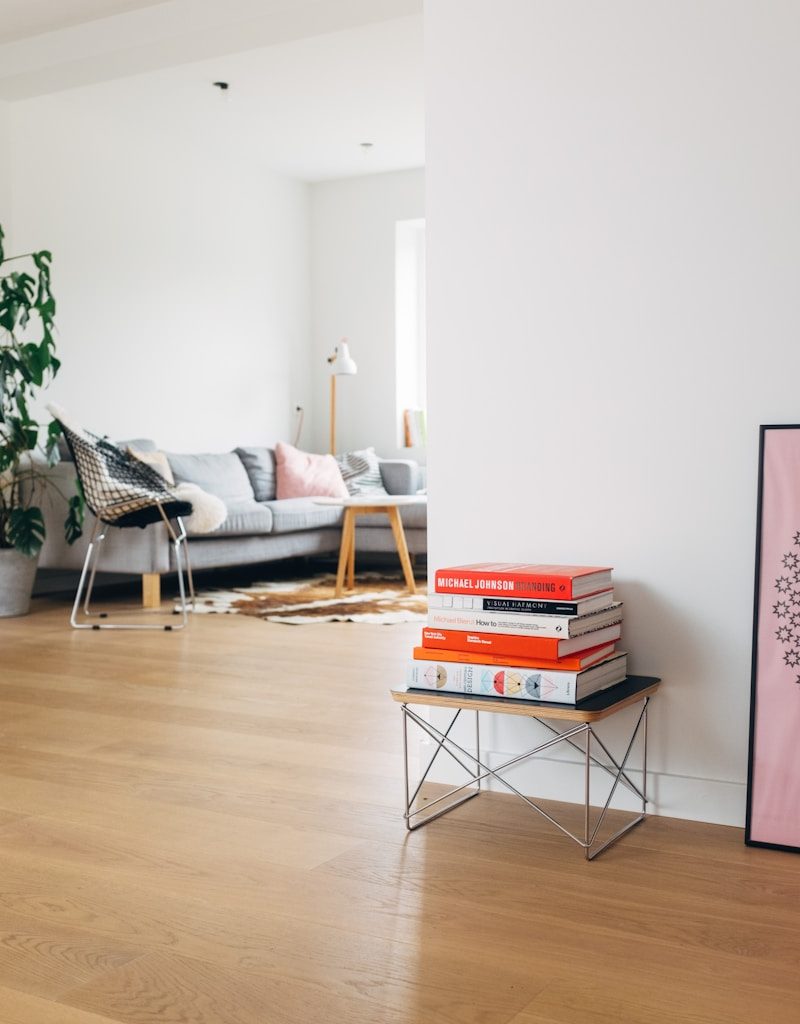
point(16, 582)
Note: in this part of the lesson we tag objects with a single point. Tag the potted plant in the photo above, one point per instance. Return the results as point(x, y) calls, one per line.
point(27, 447)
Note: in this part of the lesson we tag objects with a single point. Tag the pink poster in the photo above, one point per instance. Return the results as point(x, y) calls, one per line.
point(773, 791)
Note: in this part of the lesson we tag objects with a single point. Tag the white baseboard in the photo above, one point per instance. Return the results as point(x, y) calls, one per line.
point(553, 778)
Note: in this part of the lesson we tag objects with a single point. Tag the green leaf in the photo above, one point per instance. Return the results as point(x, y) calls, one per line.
point(22, 406)
point(51, 444)
point(73, 524)
point(27, 363)
point(25, 530)
point(34, 363)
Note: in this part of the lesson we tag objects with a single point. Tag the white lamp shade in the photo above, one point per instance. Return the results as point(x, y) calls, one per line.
point(343, 363)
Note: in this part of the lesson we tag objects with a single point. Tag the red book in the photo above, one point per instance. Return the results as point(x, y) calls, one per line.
point(576, 663)
point(529, 647)
point(517, 579)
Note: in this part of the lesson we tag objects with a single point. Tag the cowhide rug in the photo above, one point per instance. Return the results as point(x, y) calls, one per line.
point(376, 598)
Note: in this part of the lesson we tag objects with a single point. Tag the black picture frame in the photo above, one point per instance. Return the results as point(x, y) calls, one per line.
point(763, 622)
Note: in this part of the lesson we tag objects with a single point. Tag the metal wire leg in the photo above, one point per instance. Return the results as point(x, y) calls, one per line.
point(410, 814)
point(179, 546)
point(592, 851)
point(90, 567)
point(98, 545)
point(79, 594)
point(586, 789)
point(189, 576)
point(462, 756)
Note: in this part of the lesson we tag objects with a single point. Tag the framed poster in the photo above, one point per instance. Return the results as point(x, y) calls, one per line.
point(773, 777)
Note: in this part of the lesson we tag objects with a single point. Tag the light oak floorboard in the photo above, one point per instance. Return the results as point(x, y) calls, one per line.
point(22, 1008)
point(204, 827)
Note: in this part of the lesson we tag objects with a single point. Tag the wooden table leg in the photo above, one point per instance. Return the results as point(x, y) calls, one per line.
point(402, 547)
point(151, 590)
point(351, 557)
point(348, 540)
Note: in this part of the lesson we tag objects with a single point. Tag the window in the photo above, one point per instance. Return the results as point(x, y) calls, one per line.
point(410, 330)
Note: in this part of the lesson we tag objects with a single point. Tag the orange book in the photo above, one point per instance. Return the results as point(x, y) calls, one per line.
point(518, 579)
point(576, 663)
point(511, 645)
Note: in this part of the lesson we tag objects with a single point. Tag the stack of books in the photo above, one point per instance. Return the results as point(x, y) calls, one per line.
point(530, 632)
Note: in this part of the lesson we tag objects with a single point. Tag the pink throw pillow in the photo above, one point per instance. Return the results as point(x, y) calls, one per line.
point(303, 475)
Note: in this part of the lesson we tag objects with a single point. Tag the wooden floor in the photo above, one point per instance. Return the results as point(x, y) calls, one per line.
point(204, 828)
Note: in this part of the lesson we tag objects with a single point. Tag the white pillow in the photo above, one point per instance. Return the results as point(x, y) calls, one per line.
point(208, 511)
point(157, 461)
point(361, 472)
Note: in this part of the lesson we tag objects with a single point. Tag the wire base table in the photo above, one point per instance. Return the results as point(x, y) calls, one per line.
point(578, 732)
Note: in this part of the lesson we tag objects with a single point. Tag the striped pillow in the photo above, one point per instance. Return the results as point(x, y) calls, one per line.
point(361, 472)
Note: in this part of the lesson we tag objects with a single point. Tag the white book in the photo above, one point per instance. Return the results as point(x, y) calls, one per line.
point(555, 687)
point(558, 626)
point(528, 606)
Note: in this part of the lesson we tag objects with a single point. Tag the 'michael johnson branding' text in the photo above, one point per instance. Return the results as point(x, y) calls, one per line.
point(465, 583)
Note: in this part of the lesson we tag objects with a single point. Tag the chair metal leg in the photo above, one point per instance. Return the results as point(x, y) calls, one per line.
point(177, 542)
point(189, 575)
point(89, 570)
point(98, 550)
point(84, 571)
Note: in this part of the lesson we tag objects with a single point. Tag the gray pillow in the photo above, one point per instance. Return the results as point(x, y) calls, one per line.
point(223, 475)
point(361, 472)
point(260, 466)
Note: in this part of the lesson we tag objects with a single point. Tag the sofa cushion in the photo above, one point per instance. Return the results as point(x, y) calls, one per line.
point(292, 514)
point(400, 476)
point(306, 475)
point(260, 466)
point(244, 519)
point(221, 474)
point(411, 516)
point(361, 472)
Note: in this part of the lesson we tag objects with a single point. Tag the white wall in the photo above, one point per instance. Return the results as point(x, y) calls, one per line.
point(179, 267)
point(5, 169)
point(353, 287)
point(613, 254)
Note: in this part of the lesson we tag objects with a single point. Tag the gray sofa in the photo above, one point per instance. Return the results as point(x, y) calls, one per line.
point(259, 527)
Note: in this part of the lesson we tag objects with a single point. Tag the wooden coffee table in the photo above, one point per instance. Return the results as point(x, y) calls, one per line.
point(369, 505)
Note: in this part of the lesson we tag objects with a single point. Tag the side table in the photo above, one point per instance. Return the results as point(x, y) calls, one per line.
point(368, 505)
point(578, 732)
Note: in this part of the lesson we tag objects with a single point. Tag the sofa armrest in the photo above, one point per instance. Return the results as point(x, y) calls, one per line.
point(400, 476)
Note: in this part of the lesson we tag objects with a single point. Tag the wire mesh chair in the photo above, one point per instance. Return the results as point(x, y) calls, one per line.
point(123, 491)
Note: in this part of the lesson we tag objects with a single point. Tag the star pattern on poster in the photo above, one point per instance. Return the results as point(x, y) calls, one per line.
point(786, 609)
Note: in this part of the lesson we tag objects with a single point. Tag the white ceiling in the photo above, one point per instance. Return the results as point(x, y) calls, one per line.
point(20, 19)
point(309, 79)
point(308, 105)
point(137, 36)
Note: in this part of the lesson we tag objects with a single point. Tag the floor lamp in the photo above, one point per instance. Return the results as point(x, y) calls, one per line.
point(342, 365)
